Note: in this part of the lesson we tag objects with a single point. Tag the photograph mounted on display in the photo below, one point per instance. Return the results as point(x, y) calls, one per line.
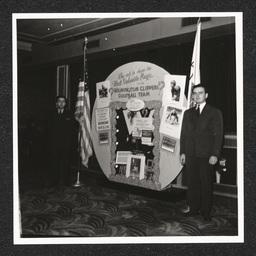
point(122, 169)
point(150, 164)
point(173, 92)
point(103, 94)
point(129, 119)
point(135, 166)
point(103, 137)
point(171, 121)
point(168, 144)
point(149, 171)
point(135, 136)
point(146, 137)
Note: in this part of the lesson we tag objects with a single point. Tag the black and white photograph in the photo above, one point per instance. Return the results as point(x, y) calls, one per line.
point(169, 144)
point(173, 92)
point(171, 121)
point(135, 166)
point(103, 94)
point(173, 116)
point(104, 137)
point(69, 132)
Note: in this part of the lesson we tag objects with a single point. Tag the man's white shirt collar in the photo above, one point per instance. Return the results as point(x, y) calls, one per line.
point(201, 106)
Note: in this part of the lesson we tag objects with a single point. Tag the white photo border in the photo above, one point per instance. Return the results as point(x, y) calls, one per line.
point(17, 240)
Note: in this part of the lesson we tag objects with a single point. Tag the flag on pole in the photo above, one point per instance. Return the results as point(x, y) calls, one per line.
point(82, 115)
point(195, 77)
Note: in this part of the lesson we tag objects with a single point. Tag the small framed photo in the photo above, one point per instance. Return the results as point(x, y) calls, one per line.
point(168, 144)
point(103, 138)
point(171, 121)
point(135, 166)
point(149, 164)
point(122, 169)
point(174, 90)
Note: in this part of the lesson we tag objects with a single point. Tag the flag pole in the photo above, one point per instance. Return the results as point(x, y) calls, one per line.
point(78, 183)
point(195, 77)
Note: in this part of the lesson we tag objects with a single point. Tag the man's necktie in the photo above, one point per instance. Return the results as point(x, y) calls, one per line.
point(197, 110)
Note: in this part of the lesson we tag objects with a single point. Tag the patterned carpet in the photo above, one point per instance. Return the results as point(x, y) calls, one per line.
point(97, 211)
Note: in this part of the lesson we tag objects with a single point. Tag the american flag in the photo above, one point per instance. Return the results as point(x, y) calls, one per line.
point(195, 77)
point(82, 115)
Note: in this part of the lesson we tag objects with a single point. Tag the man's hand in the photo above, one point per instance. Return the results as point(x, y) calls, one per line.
point(213, 160)
point(182, 159)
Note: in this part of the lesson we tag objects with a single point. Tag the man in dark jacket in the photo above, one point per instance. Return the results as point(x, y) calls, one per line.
point(61, 137)
point(200, 146)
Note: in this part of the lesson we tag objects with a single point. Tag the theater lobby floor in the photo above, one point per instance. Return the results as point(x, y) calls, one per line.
point(100, 208)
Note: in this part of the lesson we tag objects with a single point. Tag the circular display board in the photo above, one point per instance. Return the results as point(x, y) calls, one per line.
point(134, 131)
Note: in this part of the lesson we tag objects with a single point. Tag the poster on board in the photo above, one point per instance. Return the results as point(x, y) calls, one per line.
point(103, 94)
point(171, 121)
point(173, 92)
point(102, 119)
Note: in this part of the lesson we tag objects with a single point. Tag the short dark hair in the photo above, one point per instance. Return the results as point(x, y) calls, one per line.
point(200, 85)
point(61, 97)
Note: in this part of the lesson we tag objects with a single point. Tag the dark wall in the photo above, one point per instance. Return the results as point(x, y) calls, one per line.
point(36, 94)
point(36, 101)
point(36, 98)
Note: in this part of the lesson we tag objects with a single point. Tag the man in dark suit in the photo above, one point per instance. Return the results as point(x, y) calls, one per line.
point(61, 137)
point(200, 146)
